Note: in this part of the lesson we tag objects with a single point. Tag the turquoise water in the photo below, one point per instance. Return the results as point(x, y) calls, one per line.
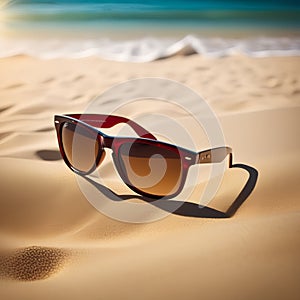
point(159, 14)
point(131, 30)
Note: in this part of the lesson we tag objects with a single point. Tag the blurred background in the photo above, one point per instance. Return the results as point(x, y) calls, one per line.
point(138, 30)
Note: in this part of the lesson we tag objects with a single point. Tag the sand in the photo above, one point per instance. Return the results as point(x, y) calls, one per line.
point(56, 245)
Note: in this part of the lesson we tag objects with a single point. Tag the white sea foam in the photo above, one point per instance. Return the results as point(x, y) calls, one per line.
point(150, 49)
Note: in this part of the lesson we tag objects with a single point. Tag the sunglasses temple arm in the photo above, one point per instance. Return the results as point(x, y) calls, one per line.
point(108, 121)
point(215, 155)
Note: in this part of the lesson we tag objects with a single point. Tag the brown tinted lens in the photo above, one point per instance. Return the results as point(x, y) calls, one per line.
point(80, 146)
point(151, 169)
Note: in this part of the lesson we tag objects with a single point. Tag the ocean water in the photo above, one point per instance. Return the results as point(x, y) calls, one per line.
point(134, 30)
point(156, 13)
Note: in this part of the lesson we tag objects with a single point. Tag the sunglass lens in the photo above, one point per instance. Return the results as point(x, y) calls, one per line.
point(150, 168)
point(81, 147)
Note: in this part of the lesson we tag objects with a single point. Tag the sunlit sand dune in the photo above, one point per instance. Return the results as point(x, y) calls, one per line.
point(56, 245)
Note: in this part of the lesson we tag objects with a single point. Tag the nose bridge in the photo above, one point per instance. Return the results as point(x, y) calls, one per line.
point(107, 141)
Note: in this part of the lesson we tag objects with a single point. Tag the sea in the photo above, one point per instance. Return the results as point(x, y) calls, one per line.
point(141, 31)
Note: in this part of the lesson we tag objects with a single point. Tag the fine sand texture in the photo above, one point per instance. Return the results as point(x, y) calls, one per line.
point(55, 245)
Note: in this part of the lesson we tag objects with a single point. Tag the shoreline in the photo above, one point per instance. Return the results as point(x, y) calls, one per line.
point(148, 49)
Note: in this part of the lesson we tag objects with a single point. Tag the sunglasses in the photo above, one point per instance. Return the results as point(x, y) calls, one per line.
point(149, 167)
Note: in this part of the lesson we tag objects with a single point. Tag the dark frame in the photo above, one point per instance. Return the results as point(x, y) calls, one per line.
point(91, 121)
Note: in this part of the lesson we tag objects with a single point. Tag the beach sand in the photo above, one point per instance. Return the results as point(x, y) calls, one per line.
point(56, 245)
